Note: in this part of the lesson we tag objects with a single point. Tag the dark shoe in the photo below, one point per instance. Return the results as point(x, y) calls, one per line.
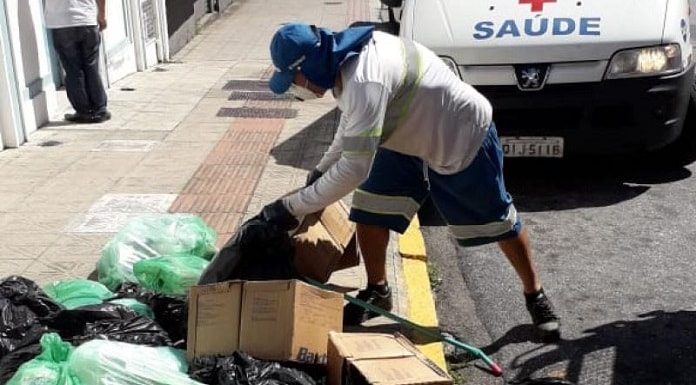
point(101, 117)
point(77, 118)
point(379, 296)
point(546, 322)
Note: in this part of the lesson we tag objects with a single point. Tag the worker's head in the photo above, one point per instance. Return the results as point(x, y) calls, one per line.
point(307, 58)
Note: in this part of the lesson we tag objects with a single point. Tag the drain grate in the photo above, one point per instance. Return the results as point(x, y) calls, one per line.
point(246, 85)
point(267, 113)
point(257, 95)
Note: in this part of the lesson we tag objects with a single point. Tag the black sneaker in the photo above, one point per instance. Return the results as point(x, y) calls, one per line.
point(379, 296)
point(101, 117)
point(77, 118)
point(546, 322)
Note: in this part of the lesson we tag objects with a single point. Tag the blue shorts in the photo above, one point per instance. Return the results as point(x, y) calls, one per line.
point(473, 202)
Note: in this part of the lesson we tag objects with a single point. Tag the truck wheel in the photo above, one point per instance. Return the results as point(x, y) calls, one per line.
point(683, 151)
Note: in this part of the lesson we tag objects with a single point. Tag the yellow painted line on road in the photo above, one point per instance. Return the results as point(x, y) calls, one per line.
point(421, 304)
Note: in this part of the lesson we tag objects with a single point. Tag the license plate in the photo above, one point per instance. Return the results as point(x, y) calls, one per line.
point(532, 146)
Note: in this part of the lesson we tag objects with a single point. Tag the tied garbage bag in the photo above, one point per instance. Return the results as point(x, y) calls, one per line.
point(171, 313)
point(241, 369)
point(258, 251)
point(12, 361)
point(153, 236)
point(76, 293)
point(109, 363)
point(110, 322)
point(170, 274)
point(48, 368)
point(23, 308)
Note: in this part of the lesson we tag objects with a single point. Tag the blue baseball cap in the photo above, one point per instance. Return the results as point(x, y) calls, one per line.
point(290, 46)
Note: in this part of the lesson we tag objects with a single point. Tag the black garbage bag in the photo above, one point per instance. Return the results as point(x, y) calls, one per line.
point(110, 322)
point(241, 369)
point(12, 361)
point(24, 307)
point(171, 313)
point(258, 251)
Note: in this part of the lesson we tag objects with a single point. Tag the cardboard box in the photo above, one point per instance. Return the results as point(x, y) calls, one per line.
point(325, 242)
point(270, 320)
point(384, 359)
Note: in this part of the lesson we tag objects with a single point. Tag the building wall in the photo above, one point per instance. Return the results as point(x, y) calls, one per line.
point(32, 63)
point(181, 23)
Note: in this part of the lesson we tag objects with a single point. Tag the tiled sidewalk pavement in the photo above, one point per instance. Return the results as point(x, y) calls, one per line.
point(173, 144)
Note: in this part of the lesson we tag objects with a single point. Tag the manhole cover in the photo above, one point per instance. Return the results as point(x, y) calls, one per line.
point(112, 211)
point(117, 145)
point(264, 113)
point(257, 95)
point(246, 85)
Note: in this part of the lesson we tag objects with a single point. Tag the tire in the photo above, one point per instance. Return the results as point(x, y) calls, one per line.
point(392, 3)
point(683, 151)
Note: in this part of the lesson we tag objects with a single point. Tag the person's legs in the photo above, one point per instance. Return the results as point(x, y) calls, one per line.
point(94, 86)
point(386, 201)
point(373, 241)
point(518, 251)
point(479, 210)
point(66, 43)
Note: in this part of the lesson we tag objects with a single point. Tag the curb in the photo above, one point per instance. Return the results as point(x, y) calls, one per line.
point(421, 304)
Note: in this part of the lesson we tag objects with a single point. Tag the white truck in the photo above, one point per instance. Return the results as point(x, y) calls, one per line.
point(571, 77)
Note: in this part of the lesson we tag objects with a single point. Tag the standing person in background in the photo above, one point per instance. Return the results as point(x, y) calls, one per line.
point(75, 26)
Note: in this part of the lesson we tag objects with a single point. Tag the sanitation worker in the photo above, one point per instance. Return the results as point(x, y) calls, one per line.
point(409, 129)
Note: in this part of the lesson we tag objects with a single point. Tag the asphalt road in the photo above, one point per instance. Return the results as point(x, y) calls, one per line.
point(615, 243)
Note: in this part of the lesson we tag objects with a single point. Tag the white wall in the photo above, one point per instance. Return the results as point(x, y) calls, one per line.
point(32, 65)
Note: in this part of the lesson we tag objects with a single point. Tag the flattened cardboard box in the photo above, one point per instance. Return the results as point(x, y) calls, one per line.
point(384, 359)
point(325, 242)
point(270, 320)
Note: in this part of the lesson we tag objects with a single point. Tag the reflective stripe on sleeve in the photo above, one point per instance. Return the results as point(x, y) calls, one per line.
point(488, 230)
point(360, 144)
point(385, 204)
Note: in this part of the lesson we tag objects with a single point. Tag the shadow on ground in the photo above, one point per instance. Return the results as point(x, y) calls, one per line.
point(597, 182)
point(551, 185)
point(305, 149)
point(657, 348)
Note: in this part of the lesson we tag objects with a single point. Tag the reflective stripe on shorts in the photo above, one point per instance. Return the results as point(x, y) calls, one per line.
point(385, 204)
point(488, 230)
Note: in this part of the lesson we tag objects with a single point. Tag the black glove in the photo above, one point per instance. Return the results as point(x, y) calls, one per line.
point(313, 176)
point(277, 214)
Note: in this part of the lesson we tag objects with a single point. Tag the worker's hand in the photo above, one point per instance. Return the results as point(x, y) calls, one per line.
point(101, 20)
point(277, 214)
point(313, 176)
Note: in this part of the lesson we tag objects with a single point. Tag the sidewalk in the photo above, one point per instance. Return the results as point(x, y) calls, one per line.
point(199, 135)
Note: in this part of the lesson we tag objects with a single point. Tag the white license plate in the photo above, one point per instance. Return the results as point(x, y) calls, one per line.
point(532, 146)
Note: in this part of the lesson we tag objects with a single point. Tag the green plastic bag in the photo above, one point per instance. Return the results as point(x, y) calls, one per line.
point(138, 307)
point(171, 274)
point(74, 293)
point(48, 368)
point(152, 236)
point(100, 362)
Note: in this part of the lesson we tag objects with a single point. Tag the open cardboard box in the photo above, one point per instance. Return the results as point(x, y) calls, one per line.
point(270, 320)
point(325, 242)
point(384, 359)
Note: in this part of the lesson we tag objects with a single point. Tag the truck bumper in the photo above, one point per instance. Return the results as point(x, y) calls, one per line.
point(608, 117)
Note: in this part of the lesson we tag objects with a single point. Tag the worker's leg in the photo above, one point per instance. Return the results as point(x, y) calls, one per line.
point(479, 211)
point(373, 241)
point(386, 201)
point(518, 251)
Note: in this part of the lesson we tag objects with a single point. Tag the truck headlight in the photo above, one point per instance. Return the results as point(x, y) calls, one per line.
point(451, 64)
point(649, 61)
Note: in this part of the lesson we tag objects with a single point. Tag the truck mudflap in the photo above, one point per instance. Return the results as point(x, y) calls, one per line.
point(607, 117)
